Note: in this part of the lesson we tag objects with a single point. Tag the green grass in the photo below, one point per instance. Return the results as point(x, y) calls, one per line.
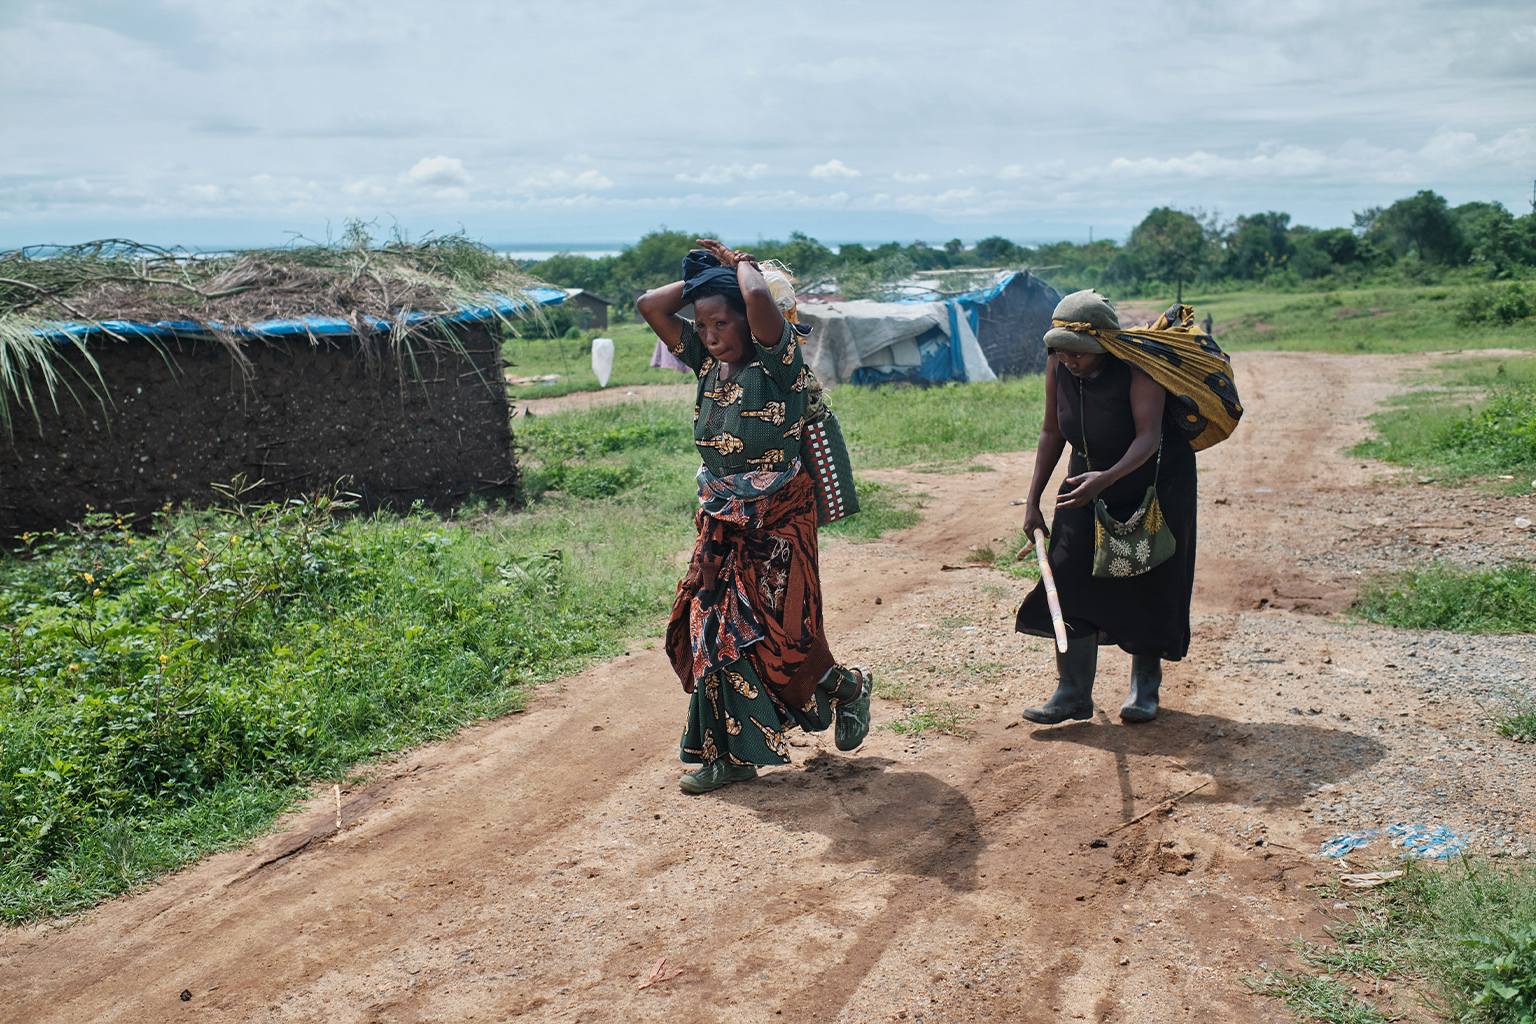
point(571, 358)
point(608, 450)
point(1387, 319)
point(1441, 596)
point(166, 695)
point(944, 717)
point(882, 508)
point(1319, 999)
point(1471, 418)
point(902, 426)
point(1461, 936)
point(1520, 726)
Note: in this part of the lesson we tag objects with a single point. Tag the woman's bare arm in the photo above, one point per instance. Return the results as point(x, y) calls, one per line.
point(763, 315)
point(1147, 398)
point(659, 307)
point(1047, 454)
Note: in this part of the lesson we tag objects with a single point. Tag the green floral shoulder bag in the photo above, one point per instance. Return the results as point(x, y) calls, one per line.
point(1141, 542)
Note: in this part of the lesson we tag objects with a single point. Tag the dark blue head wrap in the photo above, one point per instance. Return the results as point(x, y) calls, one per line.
point(703, 273)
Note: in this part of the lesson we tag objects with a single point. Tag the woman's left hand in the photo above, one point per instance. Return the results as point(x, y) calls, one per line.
point(727, 256)
point(1085, 487)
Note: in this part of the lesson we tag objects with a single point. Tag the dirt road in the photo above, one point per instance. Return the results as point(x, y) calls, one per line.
point(541, 865)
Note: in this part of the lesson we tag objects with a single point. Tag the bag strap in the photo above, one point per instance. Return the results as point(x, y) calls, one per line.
point(1082, 426)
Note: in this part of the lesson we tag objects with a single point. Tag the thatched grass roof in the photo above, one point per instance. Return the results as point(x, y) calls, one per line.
point(389, 295)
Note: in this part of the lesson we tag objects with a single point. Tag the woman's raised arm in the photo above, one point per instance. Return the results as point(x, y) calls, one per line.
point(763, 315)
point(659, 307)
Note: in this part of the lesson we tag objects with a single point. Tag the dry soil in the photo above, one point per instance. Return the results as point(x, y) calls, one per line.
point(545, 865)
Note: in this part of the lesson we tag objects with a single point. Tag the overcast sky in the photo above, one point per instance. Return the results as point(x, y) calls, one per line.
point(230, 122)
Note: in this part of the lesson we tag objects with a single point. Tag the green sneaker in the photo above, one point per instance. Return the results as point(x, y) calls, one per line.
point(716, 774)
point(853, 717)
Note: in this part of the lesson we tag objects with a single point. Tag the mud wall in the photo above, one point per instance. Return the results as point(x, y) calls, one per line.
point(182, 416)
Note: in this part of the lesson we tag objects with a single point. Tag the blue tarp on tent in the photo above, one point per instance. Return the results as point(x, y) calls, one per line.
point(972, 336)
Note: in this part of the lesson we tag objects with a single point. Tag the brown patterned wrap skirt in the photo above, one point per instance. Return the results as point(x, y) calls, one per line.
point(746, 637)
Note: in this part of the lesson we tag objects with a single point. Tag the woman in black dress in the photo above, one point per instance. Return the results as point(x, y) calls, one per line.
point(1110, 409)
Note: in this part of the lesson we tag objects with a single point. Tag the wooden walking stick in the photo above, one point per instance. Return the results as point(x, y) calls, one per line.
point(1051, 600)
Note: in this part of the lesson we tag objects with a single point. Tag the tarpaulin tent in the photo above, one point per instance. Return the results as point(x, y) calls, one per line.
point(973, 336)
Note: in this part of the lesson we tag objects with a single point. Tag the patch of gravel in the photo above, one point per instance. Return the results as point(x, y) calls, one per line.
point(1430, 699)
point(1346, 725)
point(1381, 531)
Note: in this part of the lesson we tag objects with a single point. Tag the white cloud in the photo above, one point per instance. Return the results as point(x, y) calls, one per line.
point(834, 169)
point(561, 180)
point(1282, 116)
point(724, 174)
point(364, 187)
point(438, 171)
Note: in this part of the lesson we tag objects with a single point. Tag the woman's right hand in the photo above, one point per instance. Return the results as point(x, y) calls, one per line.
point(727, 256)
point(1033, 520)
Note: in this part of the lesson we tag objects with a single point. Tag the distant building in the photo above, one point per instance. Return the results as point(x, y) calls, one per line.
point(591, 310)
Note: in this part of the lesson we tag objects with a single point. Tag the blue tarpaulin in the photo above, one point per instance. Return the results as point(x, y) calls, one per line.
point(972, 336)
point(495, 305)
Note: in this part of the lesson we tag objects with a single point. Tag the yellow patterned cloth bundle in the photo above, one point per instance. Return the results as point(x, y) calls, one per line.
point(1188, 363)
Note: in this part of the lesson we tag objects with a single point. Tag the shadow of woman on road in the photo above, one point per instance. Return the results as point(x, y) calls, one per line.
point(895, 821)
point(887, 822)
point(1270, 763)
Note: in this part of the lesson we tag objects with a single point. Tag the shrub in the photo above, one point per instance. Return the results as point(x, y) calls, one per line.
point(1493, 304)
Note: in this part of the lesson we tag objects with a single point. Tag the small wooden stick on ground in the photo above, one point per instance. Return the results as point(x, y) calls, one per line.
point(338, 807)
point(1155, 807)
point(659, 973)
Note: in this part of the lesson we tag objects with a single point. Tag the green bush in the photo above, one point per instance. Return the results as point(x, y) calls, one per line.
point(196, 674)
point(1502, 435)
point(1506, 967)
point(1492, 304)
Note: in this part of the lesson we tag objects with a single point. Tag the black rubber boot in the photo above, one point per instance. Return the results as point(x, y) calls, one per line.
point(1146, 678)
point(1074, 687)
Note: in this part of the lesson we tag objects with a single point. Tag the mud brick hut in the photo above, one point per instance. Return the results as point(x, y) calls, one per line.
point(291, 368)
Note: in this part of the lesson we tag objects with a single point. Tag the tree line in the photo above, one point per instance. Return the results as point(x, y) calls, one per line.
point(1419, 239)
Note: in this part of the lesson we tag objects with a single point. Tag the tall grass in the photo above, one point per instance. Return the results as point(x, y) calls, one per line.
point(162, 695)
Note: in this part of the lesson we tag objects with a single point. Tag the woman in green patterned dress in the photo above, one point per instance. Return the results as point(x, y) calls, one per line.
point(746, 637)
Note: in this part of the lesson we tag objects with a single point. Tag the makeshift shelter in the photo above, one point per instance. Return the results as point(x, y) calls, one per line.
point(385, 376)
point(976, 335)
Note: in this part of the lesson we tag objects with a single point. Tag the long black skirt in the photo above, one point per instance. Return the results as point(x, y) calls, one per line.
point(1146, 615)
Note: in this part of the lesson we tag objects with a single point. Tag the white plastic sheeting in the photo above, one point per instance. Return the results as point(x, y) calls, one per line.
point(853, 334)
point(602, 360)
